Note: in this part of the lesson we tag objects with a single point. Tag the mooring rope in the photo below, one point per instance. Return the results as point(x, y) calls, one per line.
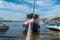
point(29, 33)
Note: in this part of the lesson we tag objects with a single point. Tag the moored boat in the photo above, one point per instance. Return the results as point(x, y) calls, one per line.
point(3, 26)
point(55, 27)
point(33, 21)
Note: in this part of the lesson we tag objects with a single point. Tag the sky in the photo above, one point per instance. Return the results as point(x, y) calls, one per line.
point(18, 9)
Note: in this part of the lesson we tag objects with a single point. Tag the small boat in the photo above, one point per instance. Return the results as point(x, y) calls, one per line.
point(54, 27)
point(3, 26)
point(34, 22)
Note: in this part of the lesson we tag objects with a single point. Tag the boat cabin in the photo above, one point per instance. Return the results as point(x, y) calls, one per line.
point(30, 16)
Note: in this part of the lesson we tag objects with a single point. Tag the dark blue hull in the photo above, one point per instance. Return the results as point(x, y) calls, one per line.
point(33, 26)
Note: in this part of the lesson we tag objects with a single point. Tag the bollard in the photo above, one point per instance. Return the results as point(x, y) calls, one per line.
point(29, 33)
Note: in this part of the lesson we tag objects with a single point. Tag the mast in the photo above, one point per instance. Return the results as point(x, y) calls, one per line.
point(34, 9)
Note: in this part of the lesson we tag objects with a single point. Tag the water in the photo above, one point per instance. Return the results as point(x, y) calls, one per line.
point(15, 28)
point(16, 32)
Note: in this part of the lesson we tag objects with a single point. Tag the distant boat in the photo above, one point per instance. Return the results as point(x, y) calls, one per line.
point(3, 26)
point(54, 27)
point(34, 22)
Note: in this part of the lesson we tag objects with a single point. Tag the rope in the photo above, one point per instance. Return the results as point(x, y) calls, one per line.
point(29, 33)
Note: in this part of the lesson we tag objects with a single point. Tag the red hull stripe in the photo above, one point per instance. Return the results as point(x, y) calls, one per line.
point(31, 23)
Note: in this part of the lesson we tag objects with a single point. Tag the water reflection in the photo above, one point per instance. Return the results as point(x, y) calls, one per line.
point(49, 35)
point(25, 32)
point(36, 36)
point(2, 32)
point(54, 35)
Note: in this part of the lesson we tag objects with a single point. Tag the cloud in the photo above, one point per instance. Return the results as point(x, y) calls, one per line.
point(13, 11)
point(43, 2)
point(12, 16)
point(9, 10)
point(12, 6)
point(54, 12)
point(43, 5)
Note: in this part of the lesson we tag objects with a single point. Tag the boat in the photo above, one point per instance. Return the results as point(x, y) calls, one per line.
point(3, 26)
point(54, 27)
point(33, 21)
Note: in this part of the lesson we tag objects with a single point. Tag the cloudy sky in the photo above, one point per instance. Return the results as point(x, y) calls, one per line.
point(17, 9)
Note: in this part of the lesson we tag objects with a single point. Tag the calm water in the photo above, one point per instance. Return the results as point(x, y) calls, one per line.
point(16, 31)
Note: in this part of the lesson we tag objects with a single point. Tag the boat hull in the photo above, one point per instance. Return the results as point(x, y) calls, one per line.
point(34, 25)
point(4, 27)
point(54, 27)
